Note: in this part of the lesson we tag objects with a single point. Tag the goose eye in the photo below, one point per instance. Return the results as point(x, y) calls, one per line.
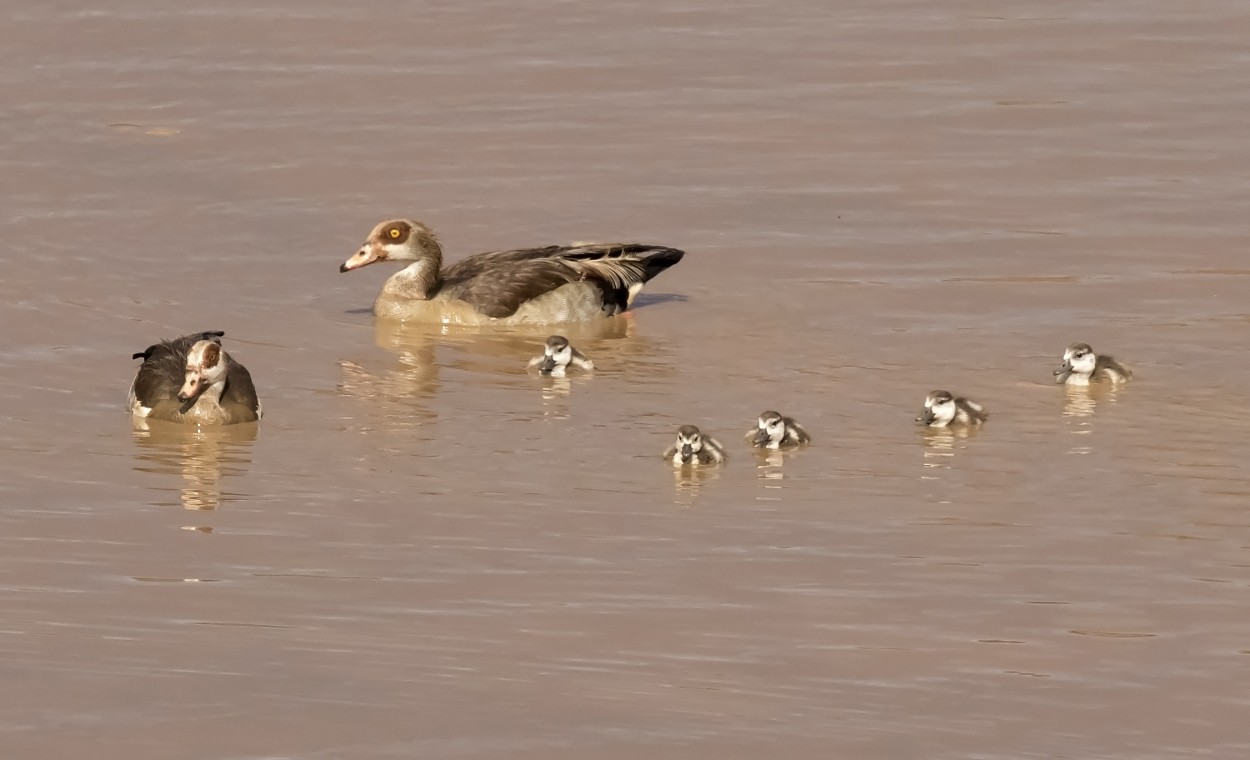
point(394, 233)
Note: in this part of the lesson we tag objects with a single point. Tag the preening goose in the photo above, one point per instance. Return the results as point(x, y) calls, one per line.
point(193, 380)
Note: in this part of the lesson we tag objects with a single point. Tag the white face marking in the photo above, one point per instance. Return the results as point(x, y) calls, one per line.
point(942, 408)
point(774, 428)
point(561, 357)
point(1081, 361)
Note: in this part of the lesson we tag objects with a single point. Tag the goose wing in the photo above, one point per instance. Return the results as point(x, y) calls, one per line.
point(239, 388)
point(498, 283)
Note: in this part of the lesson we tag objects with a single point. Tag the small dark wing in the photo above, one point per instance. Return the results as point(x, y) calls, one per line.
point(1107, 363)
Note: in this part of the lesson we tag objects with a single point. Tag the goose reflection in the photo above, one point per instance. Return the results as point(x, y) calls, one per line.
point(202, 456)
point(423, 354)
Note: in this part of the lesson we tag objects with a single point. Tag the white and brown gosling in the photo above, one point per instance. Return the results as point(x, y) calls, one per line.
point(549, 285)
point(944, 409)
point(774, 431)
point(193, 380)
point(1081, 366)
point(694, 448)
point(558, 355)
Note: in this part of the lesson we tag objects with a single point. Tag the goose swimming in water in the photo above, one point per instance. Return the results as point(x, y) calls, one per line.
point(943, 409)
point(193, 380)
point(773, 431)
point(558, 355)
point(1081, 366)
point(692, 447)
point(557, 283)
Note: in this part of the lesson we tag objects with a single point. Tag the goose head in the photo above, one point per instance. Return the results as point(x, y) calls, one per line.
point(206, 367)
point(557, 353)
point(939, 409)
point(1078, 359)
point(771, 429)
point(689, 442)
point(396, 240)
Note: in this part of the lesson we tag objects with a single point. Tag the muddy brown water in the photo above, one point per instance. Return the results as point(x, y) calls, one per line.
point(424, 552)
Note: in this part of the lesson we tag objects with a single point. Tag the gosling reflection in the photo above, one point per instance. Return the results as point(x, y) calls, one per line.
point(770, 469)
point(689, 481)
point(201, 455)
point(941, 443)
point(1080, 404)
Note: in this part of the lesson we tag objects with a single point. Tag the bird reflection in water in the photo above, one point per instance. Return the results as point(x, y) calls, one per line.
point(941, 444)
point(202, 456)
point(688, 481)
point(1080, 403)
point(490, 356)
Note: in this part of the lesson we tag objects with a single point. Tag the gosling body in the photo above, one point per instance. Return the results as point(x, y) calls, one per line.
point(944, 409)
point(558, 356)
point(1081, 366)
point(694, 448)
point(775, 431)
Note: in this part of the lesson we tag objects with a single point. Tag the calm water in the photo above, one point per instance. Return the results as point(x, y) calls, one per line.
point(424, 552)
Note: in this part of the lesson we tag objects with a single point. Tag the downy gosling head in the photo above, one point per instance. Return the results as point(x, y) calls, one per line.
point(943, 409)
point(774, 431)
point(558, 355)
point(1081, 366)
point(694, 448)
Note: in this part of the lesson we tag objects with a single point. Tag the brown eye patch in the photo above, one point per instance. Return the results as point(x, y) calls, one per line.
point(396, 233)
point(212, 354)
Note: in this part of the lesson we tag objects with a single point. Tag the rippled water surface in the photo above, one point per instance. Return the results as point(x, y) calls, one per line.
point(424, 552)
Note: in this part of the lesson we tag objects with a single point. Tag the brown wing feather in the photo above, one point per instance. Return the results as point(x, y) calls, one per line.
point(498, 283)
point(239, 388)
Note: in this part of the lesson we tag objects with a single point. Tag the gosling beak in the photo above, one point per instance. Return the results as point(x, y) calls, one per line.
point(1065, 368)
point(927, 417)
point(760, 438)
point(548, 365)
point(363, 257)
point(687, 452)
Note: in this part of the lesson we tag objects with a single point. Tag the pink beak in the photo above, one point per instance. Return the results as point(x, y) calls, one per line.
point(364, 257)
point(191, 388)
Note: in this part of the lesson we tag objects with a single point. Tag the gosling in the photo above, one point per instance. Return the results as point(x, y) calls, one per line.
point(1081, 366)
point(774, 431)
point(558, 355)
point(694, 448)
point(943, 409)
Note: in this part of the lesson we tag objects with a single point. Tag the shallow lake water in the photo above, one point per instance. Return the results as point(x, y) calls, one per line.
point(422, 551)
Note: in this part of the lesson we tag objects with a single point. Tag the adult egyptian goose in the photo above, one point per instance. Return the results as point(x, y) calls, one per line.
point(193, 380)
point(943, 409)
point(775, 431)
point(558, 283)
point(1081, 366)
